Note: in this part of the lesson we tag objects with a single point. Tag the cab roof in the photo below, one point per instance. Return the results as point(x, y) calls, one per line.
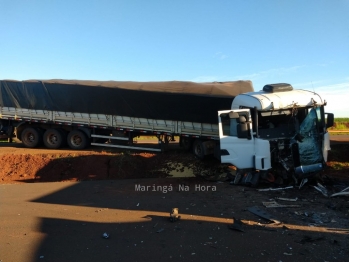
point(266, 101)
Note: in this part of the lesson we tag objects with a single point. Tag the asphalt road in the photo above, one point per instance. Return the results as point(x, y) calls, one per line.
point(66, 222)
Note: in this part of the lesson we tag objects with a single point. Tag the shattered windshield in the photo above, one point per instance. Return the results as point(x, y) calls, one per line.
point(310, 147)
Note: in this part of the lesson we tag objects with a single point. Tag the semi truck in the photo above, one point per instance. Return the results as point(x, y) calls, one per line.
point(277, 132)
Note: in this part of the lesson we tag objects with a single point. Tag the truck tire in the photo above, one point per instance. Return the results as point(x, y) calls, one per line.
point(77, 139)
point(198, 149)
point(53, 138)
point(31, 137)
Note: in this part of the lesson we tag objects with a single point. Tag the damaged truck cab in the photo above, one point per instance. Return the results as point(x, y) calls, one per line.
point(278, 134)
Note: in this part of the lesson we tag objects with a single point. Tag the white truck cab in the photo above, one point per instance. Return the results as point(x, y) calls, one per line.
point(277, 133)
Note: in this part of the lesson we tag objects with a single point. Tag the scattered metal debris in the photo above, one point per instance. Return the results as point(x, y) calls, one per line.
point(274, 189)
point(174, 215)
point(287, 199)
point(344, 192)
point(321, 189)
point(316, 219)
point(105, 235)
point(160, 230)
point(303, 182)
point(263, 214)
point(237, 225)
point(275, 204)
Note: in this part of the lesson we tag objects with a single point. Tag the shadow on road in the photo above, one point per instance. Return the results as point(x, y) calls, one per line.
point(139, 228)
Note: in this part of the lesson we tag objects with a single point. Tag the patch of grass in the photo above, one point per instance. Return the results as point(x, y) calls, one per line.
point(339, 165)
point(333, 132)
point(341, 119)
point(340, 124)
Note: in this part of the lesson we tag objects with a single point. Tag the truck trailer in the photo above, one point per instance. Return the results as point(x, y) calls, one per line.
point(278, 132)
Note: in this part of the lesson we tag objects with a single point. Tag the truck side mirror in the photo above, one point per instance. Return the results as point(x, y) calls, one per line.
point(329, 120)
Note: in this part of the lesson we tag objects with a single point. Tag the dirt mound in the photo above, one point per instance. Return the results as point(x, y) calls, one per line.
point(20, 165)
point(41, 165)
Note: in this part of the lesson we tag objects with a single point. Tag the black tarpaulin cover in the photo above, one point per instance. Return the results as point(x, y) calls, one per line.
point(173, 100)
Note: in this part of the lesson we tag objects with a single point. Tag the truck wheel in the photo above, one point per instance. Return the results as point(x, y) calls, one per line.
point(31, 137)
point(198, 149)
point(77, 139)
point(53, 138)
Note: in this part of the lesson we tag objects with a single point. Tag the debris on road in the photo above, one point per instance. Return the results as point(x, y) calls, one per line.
point(174, 215)
point(160, 230)
point(275, 204)
point(237, 225)
point(105, 235)
point(287, 199)
point(274, 189)
point(344, 192)
point(321, 189)
point(263, 214)
point(303, 182)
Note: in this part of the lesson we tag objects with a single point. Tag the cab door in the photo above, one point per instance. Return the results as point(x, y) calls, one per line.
point(236, 138)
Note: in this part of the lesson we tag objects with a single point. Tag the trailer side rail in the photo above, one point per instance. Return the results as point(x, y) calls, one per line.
point(144, 125)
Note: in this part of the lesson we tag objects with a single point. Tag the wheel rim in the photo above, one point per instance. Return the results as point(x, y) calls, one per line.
point(30, 137)
point(76, 140)
point(52, 139)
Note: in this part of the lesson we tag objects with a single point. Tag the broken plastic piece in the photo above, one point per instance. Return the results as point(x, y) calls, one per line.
point(105, 235)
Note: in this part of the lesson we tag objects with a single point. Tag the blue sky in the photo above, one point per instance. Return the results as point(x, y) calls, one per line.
point(304, 43)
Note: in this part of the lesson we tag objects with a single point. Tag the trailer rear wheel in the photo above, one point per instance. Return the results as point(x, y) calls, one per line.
point(53, 138)
point(198, 149)
point(31, 137)
point(77, 139)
